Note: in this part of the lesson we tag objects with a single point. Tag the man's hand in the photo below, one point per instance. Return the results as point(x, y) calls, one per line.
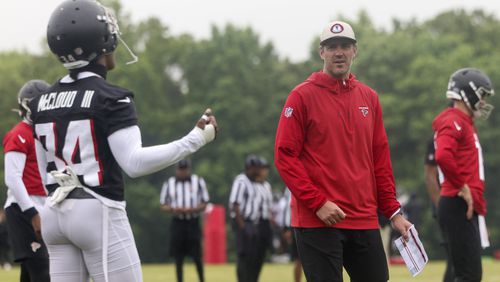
point(240, 222)
point(166, 208)
point(467, 196)
point(287, 236)
point(37, 226)
point(400, 224)
point(330, 213)
point(179, 211)
point(208, 124)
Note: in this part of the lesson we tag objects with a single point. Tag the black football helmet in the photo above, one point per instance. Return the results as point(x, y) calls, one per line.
point(28, 92)
point(79, 31)
point(471, 86)
point(252, 160)
point(184, 164)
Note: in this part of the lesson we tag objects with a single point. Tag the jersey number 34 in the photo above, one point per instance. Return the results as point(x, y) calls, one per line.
point(79, 150)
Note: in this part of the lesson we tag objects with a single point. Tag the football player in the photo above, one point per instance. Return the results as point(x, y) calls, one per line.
point(462, 206)
point(86, 131)
point(25, 194)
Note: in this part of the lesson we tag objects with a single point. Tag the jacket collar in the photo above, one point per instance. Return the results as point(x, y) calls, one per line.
point(336, 85)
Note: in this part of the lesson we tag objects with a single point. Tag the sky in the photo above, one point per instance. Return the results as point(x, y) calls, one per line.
point(290, 25)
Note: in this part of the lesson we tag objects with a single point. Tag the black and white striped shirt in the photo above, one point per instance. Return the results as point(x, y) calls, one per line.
point(187, 193)
point(254, 199)
point(284, 216)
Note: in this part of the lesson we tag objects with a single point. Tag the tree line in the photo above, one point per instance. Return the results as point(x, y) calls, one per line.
point(246, 81)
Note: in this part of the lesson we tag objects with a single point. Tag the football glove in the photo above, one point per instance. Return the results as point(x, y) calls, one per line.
point(67, 181)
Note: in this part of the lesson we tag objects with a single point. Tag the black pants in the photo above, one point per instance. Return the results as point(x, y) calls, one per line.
point(35, 270)
point(34, 262)
point(462, 236)
point(323, 252)
point(186, 240)
point(252, 243)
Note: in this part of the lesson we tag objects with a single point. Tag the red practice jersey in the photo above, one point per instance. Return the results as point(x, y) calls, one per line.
point(331, 144)
point(459, 156)
point(20, 139)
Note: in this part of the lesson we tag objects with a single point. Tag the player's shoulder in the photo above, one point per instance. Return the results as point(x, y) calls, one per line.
point(447, 116)
point(8, 135)
point(21, 128)
point(20, 136)
point(94, 84)
point(451, 120)
point(109, 91)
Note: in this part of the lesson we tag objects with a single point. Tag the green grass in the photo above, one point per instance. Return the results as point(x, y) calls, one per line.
point(280, 273)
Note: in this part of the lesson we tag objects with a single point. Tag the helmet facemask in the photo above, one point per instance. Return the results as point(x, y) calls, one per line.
point(114, 29)
point(24, 111)
point(479, 107)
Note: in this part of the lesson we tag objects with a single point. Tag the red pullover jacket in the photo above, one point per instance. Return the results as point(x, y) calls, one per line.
point(459, 156)
point(331, 144)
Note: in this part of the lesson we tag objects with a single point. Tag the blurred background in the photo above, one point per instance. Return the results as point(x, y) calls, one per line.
point(243, 58)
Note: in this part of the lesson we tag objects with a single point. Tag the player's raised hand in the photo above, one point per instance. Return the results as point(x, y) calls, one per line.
point(208, 125)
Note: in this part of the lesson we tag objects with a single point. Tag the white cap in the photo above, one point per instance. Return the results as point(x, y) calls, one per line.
point(337, 29)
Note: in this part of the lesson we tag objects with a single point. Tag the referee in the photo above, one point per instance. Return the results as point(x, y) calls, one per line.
point(288, 234)
point(250, 204)
point(185, 196)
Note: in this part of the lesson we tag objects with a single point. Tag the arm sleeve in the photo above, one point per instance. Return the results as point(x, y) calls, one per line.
point(384, 176)
point(430, 154)
point(446, 148)
point(288, 147)
point(41, 159)
point(135, 160)
point(14, 167)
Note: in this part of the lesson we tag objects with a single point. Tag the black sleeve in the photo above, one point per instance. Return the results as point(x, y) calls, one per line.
point(121, 112)
point(430, 153)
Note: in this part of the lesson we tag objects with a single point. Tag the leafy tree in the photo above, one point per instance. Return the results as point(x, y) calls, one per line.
point(246, 82)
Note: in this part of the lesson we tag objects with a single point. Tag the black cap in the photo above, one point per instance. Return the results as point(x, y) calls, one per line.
point(263, 162)
point(183, 164)
point(252, 160)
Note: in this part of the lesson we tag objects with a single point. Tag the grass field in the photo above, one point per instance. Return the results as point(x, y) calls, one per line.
point(280, 273)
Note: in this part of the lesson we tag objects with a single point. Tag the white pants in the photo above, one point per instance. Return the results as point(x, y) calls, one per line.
point(74, 233)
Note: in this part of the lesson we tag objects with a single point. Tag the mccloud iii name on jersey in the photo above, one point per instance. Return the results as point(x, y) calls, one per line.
point(63, 99)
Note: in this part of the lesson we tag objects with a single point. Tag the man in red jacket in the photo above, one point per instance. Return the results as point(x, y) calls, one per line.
point(462, 206)
point(332, 152)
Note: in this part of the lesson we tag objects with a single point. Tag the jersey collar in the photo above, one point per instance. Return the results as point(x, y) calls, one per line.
point(81, 75)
